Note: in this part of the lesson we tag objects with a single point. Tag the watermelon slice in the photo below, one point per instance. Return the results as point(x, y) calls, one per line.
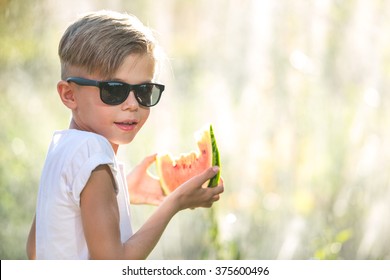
point(175, 171)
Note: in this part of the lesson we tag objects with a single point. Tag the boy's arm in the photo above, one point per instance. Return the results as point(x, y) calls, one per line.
point(100, 215)
point(30, 246)
point(189, 195)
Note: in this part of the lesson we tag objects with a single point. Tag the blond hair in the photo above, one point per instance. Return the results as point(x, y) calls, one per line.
point(99, 42)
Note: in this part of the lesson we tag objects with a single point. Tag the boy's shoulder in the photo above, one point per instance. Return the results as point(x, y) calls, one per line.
point(78, 135)
point(73, 139)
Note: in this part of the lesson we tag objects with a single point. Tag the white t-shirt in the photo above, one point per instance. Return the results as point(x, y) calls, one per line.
point(72, 156)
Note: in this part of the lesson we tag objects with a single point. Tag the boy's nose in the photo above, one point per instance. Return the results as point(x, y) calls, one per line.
point(130, 103)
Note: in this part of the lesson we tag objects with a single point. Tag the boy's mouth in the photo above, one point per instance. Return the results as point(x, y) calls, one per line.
point(126, 125)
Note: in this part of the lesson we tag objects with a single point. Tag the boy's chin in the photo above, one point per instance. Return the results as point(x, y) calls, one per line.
point(121, 142)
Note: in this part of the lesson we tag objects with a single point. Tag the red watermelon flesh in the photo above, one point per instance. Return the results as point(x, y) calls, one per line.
point(174, 171)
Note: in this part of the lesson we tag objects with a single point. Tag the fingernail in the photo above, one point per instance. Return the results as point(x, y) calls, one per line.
point(215, 169)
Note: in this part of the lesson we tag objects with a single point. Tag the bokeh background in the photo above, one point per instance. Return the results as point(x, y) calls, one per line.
point(297, 92)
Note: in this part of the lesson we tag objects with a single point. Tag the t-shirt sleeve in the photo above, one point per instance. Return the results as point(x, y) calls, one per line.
point(91, 153)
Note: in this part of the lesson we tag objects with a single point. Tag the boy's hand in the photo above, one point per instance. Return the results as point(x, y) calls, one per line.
point(143, 187)
point(191, 194)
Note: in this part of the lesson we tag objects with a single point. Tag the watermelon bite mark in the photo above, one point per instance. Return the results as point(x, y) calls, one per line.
point(175, 171)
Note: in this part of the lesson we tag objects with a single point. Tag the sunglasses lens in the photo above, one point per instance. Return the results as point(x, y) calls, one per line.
point(113, 93)
point(148, 94)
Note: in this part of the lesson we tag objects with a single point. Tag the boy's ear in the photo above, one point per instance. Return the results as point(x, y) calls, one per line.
point(66, 93)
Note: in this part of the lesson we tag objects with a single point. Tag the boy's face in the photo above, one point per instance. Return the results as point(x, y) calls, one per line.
point(118, 123)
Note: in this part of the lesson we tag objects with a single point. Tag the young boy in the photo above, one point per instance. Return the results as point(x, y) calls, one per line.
point(107, 69)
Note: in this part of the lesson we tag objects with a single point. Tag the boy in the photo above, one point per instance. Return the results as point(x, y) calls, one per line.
point(83, 201)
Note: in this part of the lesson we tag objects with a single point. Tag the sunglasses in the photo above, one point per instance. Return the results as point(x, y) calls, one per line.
point(115, 92)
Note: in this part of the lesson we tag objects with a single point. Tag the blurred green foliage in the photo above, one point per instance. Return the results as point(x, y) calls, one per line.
point(296, 92)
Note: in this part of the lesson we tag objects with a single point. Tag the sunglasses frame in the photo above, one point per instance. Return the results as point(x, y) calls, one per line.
point(102, 84)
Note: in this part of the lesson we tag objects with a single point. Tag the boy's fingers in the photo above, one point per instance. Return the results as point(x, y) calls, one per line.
point(218, 190)
point(147, 161)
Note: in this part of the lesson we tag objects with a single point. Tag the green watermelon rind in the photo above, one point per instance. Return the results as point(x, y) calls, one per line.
point(215, 160)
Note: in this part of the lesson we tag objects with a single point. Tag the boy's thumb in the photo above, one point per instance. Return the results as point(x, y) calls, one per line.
point(205, 175)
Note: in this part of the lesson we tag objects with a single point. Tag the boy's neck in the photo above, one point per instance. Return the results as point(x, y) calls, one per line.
point(73, 125)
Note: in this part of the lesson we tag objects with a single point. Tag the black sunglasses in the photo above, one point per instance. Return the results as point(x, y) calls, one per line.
point(115, 92)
